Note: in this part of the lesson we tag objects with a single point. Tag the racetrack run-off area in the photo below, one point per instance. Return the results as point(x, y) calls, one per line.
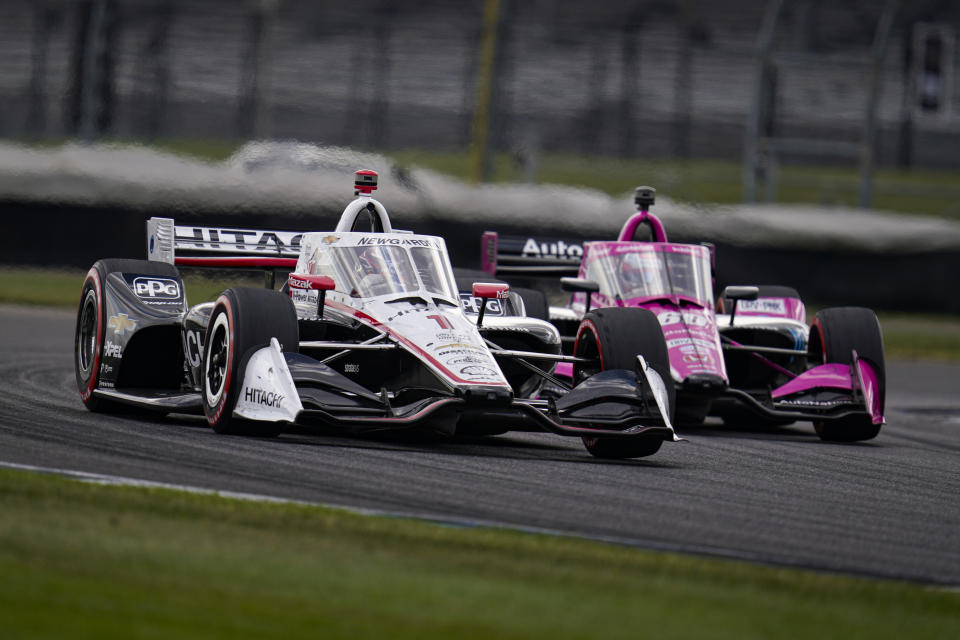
point(885, 507)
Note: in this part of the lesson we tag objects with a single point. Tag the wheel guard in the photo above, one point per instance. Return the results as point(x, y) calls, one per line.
point(268, 393)
point(827, 392)
point(618, 397)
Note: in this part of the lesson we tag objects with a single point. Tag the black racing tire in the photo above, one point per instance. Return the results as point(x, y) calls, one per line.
point(834, 334)
point(534, 302)
point(612, 338)
point(91, 325)
point(243, 320)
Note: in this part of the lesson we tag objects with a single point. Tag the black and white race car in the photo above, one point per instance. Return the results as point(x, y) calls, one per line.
point(368, 332)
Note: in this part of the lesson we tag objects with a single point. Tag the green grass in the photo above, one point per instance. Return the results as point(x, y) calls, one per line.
point(915, 337)
point(905, 335)
point(89, 561)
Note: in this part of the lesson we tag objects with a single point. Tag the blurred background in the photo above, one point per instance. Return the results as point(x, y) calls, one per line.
point(834, 105)
point(635, 78)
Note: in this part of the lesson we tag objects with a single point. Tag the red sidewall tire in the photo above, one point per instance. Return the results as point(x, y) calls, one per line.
point(222, 329)
point(243, 320)
point(614, 337)
point(91, 302)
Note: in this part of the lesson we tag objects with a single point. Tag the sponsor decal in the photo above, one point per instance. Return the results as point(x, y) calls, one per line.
point(194, 340)
point(112, 350)
point(685, 341)
point(812, 403)
point(406, 242)
point(691, 358)
point(259, 396)
point(303, 296)
point(121, 323)
point(691, 319)
point(596, 251)
point(285, 243)
point(558, 249)
point(103, 383)
point(468, 360)
point(330, 239)
point(763, 305)
point(477, 371)
point(449, 336)
point(156, 289)
point(458, 347)
point(298, 283)
point(472, 305)
point(351, 368)
point(650, 253)
point(105, 369)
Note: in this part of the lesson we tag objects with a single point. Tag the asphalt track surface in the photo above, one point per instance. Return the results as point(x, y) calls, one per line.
point(888, 508)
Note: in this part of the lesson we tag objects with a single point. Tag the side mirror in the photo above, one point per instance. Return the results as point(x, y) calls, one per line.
point(580, 285)
point(486, 291)
point(739, 293)
point(312, 283)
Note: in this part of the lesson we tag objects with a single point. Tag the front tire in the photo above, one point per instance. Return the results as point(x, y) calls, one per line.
point(613, 338)
point(243, 320)
point(834, 335)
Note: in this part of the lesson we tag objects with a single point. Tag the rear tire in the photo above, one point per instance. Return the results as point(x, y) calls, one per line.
point(243, 320)
point(534, 302)
point(91, 326)
point(834, 335)
point(613, 337)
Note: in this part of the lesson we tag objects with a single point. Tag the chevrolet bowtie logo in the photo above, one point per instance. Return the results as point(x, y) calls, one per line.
point(121, 322)
point(331, 239)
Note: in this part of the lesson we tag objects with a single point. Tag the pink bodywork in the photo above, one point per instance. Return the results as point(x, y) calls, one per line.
point(693, 340)
point(839, 376)
point(689, 324)
point(642, 217)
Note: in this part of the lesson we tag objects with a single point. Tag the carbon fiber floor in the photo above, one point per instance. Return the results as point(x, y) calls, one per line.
point(888, 507)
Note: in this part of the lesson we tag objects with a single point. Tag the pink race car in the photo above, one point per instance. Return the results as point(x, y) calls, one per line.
point(750, 356)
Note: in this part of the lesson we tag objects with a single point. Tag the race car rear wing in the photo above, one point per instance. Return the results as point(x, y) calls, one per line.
point(221, 247)
point(530, 256)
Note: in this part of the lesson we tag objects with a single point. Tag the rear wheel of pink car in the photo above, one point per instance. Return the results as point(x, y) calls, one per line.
point(243, 320)
point(612, 339)
point(834, 335)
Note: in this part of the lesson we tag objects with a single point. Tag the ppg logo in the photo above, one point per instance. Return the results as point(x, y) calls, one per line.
point(156, 288)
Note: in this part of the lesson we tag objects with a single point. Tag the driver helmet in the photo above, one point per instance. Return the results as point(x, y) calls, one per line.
point(681, 273)
point(634, 272)
point(368, 262)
